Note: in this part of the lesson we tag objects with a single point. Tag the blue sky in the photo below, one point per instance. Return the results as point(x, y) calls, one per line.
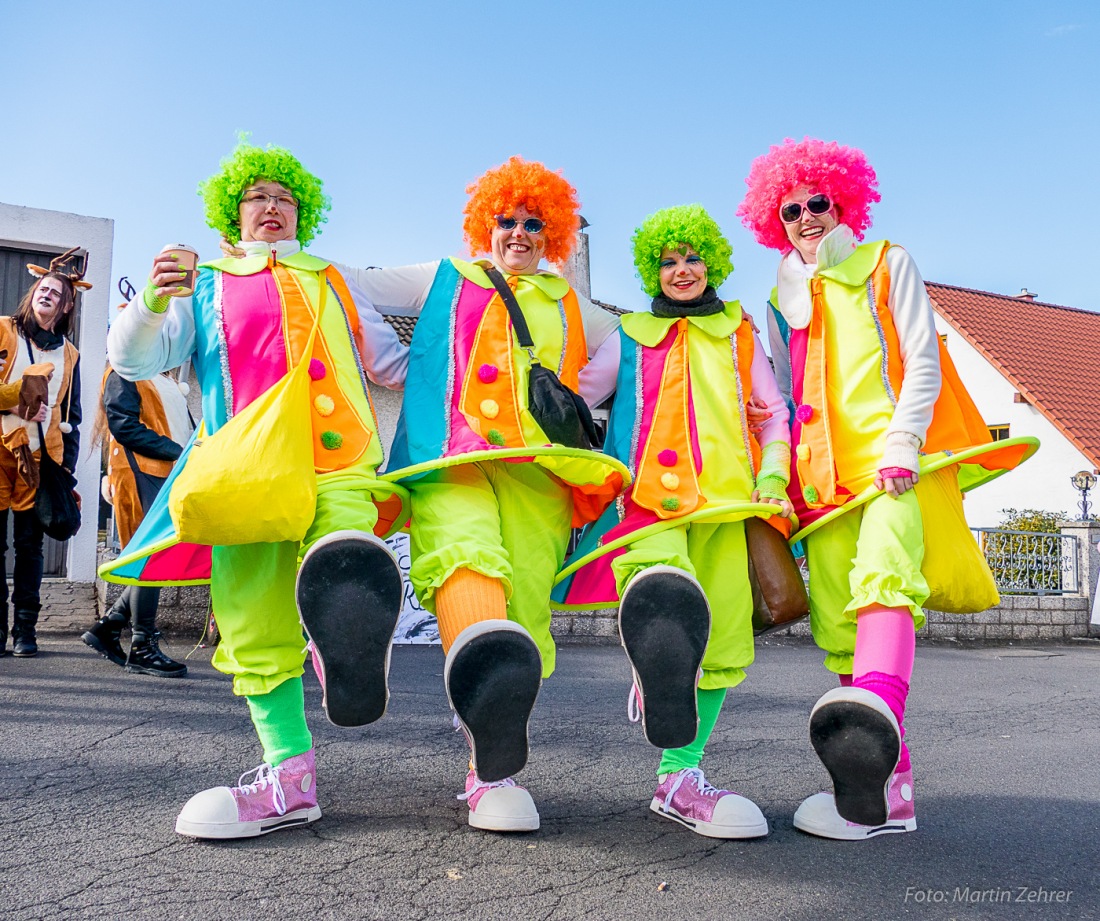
point(982, 120)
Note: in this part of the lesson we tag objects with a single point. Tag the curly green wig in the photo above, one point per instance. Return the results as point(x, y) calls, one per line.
point(221, 193)
point(674, 227)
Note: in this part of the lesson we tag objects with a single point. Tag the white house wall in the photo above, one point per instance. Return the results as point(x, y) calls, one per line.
point(1041, 483)
point(34, 227)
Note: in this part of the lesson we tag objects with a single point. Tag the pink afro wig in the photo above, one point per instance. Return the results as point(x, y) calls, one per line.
point(842, 173)
point(541, 191)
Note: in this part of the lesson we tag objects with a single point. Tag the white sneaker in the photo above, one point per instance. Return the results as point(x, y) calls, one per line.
point(499, 806)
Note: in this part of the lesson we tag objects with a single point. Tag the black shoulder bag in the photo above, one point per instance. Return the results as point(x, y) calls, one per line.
point(561, 414)
point(54, 502)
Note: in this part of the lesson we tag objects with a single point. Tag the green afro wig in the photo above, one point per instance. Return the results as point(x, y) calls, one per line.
point(674, 227)
point(221, 193)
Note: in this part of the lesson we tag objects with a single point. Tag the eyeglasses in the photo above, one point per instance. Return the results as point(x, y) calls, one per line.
point(283, 202)
point(532, 225)
point(815, 204)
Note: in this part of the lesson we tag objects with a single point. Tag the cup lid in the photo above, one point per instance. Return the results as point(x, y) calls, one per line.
point(182, 247)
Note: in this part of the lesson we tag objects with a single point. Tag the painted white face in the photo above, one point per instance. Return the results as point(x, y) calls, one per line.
point(46, 303)
point(806, 232)
point(517, 251)
point(269, 213)
point(683, 273)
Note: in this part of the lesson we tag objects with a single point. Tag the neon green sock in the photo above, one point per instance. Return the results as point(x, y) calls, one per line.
point(280, 720)
point(709, 703)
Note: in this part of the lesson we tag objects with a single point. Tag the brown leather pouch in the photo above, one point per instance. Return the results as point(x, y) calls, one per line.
point(778, 590)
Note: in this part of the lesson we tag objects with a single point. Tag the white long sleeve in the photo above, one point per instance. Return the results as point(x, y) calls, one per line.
point(919, 343)
point(141, 343)
point(385, 358)
point(397, 290)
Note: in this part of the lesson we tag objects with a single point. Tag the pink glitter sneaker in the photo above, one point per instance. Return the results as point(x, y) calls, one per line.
point(275, 798)
point(502, 805)
point(686, 797)
point(818, 816)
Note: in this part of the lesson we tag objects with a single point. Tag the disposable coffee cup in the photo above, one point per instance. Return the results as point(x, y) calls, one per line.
point(188, 262)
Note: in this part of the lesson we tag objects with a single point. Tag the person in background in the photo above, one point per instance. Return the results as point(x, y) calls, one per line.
point(34, 347)
point(146, 425)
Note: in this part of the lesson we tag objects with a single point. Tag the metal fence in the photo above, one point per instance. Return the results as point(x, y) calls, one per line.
point(1030, 563)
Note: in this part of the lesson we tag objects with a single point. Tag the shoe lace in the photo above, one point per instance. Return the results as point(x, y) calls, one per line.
point(265, 776)
point(480, 784)
point(634, 704)
point(693, 774)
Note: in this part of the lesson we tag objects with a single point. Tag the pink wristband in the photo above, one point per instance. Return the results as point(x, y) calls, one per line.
point(895, 473)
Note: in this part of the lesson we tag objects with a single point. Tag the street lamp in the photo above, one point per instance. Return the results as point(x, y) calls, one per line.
point(1083, 481)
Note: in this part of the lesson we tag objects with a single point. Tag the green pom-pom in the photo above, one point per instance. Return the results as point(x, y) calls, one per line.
point(670, 504)
point(332, 440)
point(495, 438)
point(809, 494)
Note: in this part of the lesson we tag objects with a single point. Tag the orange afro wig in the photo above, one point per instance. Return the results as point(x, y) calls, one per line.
point(541, 191)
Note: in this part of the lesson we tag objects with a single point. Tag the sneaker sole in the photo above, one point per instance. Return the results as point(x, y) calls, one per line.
point(493, 679)
point(859, 745)
point(91, 640)
point(247, 829)
point(664, 625)
point(349, 594)
point(156, 673)
point(708, 829)
point(858, 833)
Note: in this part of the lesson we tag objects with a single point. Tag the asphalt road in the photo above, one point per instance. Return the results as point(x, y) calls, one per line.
point(95, 764)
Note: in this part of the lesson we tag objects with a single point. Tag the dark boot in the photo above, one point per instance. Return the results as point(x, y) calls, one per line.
point(24, 642)
point(146, 658)
point(4, 633)
point(104, 637)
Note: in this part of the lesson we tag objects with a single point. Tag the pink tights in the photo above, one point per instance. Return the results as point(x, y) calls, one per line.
point(885, 645)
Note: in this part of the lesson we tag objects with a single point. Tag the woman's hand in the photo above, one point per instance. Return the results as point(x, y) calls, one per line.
point(896, 481)
point(756, 414)
point(165, 277)
point(785, 507)
point(40, 416)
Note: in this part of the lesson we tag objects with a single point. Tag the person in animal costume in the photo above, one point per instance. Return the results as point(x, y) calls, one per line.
point(41, 374)
point(145, 425)
point(885, 440)
point(493, 496)
point(283, 346)
point(672, 550)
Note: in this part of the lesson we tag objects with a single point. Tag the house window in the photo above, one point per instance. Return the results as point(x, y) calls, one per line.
point(943, 338)
point(998, 432)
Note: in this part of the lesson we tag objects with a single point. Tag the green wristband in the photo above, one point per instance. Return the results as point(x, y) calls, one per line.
point(152, 301)
point(772, 487)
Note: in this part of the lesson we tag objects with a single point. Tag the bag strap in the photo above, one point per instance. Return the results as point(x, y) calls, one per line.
point(519, 322)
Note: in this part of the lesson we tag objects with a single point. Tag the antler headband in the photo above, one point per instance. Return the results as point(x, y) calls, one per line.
point(57, 267)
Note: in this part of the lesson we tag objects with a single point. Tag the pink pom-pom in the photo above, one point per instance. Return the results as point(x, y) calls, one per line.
point(317, 369)
point(804, 413)
point(668, 458)
point(487, 373)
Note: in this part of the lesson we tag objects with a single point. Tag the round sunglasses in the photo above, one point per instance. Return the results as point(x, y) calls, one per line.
point(816, 204)
point(531, 225)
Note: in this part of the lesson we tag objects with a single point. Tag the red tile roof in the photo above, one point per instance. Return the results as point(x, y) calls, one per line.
point(1049, 353)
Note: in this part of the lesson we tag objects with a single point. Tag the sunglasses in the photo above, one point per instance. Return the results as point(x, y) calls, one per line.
point(531, 225)
point(815, 204)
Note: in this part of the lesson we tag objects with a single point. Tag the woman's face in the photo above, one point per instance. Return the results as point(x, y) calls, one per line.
point(806, 232)
point(517, 251)
point(683, 273)
point(47, 302)
point(269, 213)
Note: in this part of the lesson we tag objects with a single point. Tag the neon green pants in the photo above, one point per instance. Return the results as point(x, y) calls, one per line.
point(716, 555)
point(252, 589)
point(506, 521)
point(870, 556)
